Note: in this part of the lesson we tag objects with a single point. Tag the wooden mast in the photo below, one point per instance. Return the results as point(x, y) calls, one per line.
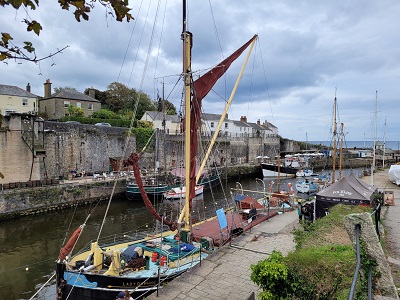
point(187, 41)
point(341, 150)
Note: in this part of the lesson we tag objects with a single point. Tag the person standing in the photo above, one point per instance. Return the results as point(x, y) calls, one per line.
point(299, 210)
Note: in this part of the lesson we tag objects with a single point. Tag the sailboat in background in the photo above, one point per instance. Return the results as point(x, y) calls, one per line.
point(142, 263)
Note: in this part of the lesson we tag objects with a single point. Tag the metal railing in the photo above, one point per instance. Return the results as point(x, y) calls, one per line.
point(377, 216)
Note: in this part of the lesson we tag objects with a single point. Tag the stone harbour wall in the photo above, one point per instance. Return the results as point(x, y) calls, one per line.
point(28, 201)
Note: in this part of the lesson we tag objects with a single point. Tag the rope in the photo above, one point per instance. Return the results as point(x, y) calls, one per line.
point(129, 43)
point(131, 126)
point(51, 277)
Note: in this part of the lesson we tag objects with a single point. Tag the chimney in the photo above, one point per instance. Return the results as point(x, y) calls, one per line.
point(243, 119)
point(258, 122)
point(92, 93)
point(28, 88)
point(47, 88)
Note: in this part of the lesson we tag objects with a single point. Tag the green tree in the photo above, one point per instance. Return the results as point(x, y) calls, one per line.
point(74, 111)
point(8, 50)
point(167, 106)
point(104, 114)
point(118, 96)
point(98, 95)
point(121, 99)
point(145, 104)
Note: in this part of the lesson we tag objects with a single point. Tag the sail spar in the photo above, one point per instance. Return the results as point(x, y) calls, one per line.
point(201, 87)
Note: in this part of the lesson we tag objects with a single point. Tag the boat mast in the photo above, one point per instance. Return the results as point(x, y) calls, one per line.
point(334, 139)
point(384, 146)
point(186, 38)
point(341, 150)
point(164, 127)
point(373, 149)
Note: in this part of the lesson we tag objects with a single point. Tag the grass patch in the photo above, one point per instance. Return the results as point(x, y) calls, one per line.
point(321, 267)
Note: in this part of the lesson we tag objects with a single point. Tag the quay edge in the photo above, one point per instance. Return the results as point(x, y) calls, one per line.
point(21, 202)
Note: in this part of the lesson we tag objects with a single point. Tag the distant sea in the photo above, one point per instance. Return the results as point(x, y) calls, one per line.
point(394, 145)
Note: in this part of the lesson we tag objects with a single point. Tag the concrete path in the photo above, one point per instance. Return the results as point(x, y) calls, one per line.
point(391, 222)
point(226, 274)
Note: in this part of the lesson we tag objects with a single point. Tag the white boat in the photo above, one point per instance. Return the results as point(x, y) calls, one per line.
point(180, 192)
point(304, 173)
point(394, 174)
point(306, 186)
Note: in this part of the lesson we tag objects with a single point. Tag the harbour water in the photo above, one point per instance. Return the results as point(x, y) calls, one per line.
point(29, 246)
point(394, 145)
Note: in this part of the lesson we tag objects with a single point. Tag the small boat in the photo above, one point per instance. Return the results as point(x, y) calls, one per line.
point(304, 173)
point(154, 187)
point(180, 192)
point(272, 170)
point(157, 186)
point(306, 186)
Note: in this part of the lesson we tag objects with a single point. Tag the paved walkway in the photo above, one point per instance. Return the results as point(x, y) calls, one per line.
point(226, 274)
point(391, 222)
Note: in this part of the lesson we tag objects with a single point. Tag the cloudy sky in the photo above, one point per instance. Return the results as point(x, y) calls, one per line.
point(307, 52)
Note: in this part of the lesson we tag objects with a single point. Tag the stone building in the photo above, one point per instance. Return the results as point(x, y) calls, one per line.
point(55, 106)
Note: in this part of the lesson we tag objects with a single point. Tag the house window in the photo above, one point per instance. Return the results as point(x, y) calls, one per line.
point(78, 104)
point(90, 106)
point(226, 125)
point(24, 102)
point(212, 124)
point(66, 104)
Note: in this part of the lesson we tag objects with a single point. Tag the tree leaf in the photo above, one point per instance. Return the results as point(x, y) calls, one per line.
point(35, 27)
point(28, 47)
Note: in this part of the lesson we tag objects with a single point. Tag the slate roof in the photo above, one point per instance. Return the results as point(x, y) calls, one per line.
point(157, 115)
point(241, 124)
point(211, 117)
point(73, 95)
point(258, 127)
point(11, 90)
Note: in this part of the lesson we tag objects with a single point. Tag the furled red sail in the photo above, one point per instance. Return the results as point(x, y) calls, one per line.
point(201, 88)
point(70, 244)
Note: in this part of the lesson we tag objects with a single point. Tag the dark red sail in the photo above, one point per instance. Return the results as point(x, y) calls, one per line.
point(201, 88)
point(133, 161)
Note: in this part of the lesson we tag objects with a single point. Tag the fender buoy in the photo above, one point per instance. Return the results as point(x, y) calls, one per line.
point(154, 256)
point(163, 261)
